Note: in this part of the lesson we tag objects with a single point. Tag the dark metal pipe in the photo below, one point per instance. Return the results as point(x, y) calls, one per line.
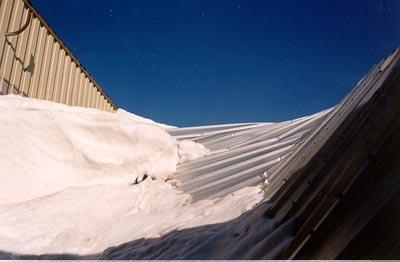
point(28, 19)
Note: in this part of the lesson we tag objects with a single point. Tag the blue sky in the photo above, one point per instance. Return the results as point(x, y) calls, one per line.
point(195, 62)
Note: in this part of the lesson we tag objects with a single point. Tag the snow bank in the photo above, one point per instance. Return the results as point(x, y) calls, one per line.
point(67, 180)
point(47, 147)
point(140, 119)
point(189, 150)
point(89, 220)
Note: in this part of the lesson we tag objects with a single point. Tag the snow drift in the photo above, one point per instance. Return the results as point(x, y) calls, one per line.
point(68, 180)
point(140, 119)
point(47, 147)
point(89, 220)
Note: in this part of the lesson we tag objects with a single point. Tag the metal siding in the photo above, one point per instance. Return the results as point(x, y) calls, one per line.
point(83, 91)
point(52, 72)
point(5, 20)
point(79, 92)
point(59, 74)
point(44, 71)
point(95, 99)
point(34, 84)
point(65, 78)
point(91, 97)
point(5, 13)
point(89, 94)
point(37, 63)
point(94, 96)
point(103, 103)
point(70, 83)
point(86, 93)
point(11, 42)
point(100, 102)
point(75, 87)
point(29, 64)
point(98, 98)
point(18, 66)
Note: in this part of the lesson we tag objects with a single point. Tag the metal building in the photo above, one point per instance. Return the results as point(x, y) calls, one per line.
point(34, 62)
point(331, 180)
point(331, 183)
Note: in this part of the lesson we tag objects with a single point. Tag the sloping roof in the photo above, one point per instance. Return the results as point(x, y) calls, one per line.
point(333, 183)
point(341, 178)
point(332, 172)
point(241, 154)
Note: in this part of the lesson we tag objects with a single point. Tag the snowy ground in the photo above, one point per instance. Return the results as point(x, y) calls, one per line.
point(69, 180)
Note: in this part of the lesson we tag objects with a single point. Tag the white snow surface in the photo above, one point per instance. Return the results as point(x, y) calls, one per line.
point(189, 150)
point(67, 180)
point(140, 119)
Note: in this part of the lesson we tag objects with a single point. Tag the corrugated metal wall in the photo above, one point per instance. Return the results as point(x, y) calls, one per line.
point(36, 63)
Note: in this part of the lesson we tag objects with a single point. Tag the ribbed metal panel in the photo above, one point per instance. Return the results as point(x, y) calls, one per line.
point(241, 154)
point(36, 63)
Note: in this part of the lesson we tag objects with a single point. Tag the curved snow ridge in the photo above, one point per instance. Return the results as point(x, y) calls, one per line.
point(48, 147)
point(141, 119)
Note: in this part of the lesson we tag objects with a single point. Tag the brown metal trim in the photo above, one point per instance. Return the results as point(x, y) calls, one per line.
point(63, 46)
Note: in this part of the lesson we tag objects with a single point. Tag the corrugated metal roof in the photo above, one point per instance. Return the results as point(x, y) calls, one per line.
point(241, 154)
point(331, 178)
point(320, 169)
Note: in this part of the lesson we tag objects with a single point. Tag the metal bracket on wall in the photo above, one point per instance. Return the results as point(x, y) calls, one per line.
point(28, 20)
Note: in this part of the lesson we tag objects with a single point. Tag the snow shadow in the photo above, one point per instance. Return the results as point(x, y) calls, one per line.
point(253, 235)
